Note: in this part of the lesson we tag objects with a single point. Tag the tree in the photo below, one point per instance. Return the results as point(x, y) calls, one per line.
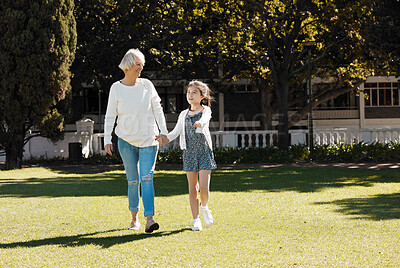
point(106, 30)
point(36, 50)
point(166, 31)
point(384, 33)
point(261, 40)
point(103, 38)
point(269, 39)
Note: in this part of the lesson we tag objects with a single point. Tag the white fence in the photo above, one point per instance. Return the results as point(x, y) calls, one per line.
point(93, 143)
point(263, 138)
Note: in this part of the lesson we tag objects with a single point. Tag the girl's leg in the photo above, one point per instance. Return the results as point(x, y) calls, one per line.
point(204, 180)
point(130, 157)
point(193, 184)
point(204, 183)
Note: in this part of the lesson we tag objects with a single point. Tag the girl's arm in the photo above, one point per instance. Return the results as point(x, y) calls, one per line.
point(205, 118)
point(177, 129)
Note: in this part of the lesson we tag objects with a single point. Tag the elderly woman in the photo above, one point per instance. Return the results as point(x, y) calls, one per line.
point(140, 120)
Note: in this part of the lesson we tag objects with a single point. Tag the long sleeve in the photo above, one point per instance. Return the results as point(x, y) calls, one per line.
point(206, 117)
point(158, 111)
point(177, 129)
point(110, 116)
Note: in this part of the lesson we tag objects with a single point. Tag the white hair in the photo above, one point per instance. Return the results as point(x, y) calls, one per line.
point(130, 58)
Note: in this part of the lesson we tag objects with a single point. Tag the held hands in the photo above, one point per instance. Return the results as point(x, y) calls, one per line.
point(108, 148)
point(162, 139)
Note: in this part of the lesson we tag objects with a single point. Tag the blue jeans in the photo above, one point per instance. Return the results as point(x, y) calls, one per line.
point(139, 166)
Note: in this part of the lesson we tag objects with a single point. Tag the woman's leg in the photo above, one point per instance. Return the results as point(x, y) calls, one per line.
point(130, 157)
point(204, 183)
point(147, 161)
point(193, 184)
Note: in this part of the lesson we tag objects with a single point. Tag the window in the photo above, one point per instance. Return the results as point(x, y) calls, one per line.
point(382, 94)
point(346, 101)
point(395, 94)
point(245, 88)
point(172, 99)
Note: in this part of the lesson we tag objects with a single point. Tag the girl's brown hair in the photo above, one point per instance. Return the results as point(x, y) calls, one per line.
point(204, 91)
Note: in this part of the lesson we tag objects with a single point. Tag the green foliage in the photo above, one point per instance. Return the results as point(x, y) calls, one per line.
point(173, 156)
point(171, 34)
point(341, 152)
point(228, 155)
point(103, 159)
point(260, 40)
point(36, 50)
point(357, 152)
point(385, 32)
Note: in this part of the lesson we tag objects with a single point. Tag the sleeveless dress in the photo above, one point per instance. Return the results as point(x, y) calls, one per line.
point(197, 155)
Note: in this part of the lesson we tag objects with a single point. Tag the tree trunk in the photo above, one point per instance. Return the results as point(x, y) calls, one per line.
point(266, 109)
point(14, 151)
point(283, 126)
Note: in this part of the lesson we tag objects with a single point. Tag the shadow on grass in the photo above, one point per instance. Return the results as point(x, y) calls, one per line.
point(84, 169)
point(298, 179)
point(85, 239)
point(103, 184)
point(170, 183)
point(378, 207)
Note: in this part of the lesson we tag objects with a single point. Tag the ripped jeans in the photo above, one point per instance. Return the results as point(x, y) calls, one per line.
point(139, 166)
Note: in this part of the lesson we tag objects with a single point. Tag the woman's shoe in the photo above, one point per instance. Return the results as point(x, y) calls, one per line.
point(135, 225)
point(151, 226)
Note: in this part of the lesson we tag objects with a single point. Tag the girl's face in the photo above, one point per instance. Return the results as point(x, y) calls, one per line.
point(193, 96)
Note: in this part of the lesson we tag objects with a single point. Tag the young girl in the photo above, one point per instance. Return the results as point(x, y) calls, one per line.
point(195, 141)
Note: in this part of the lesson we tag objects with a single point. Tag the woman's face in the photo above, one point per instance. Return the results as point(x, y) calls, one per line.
point(193, 96)
point(137, 67)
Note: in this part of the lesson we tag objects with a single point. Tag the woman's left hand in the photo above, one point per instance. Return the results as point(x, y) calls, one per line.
point(162, 139)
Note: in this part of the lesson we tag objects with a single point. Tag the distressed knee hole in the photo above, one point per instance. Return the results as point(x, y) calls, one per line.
point(133, 183)
point(146, 178)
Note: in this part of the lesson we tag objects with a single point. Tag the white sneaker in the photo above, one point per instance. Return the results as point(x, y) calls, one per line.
point(208, 219)
point(197, 225)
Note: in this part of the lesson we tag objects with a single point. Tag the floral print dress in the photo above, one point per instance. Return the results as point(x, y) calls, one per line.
point(197, 155)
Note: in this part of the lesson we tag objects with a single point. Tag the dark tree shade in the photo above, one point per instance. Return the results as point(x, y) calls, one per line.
point(385, 32)
point(37, 47)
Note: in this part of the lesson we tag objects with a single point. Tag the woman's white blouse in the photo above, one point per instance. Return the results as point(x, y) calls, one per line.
point(139, 111)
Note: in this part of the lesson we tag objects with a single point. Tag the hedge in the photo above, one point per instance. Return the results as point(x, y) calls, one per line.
point(342, 152)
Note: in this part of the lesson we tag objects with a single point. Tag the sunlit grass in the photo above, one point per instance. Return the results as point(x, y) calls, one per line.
point(276, 217)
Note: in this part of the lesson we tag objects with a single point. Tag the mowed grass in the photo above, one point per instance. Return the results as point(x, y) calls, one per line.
point(276, 217)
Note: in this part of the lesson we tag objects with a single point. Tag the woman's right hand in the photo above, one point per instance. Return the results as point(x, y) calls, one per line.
point(108, 148)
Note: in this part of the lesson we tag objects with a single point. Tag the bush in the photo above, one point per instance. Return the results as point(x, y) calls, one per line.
point(341, 152)
point(103, 159)
point(170, 156)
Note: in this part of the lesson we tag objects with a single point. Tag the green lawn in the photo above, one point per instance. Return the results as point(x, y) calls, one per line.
point(276, 217)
